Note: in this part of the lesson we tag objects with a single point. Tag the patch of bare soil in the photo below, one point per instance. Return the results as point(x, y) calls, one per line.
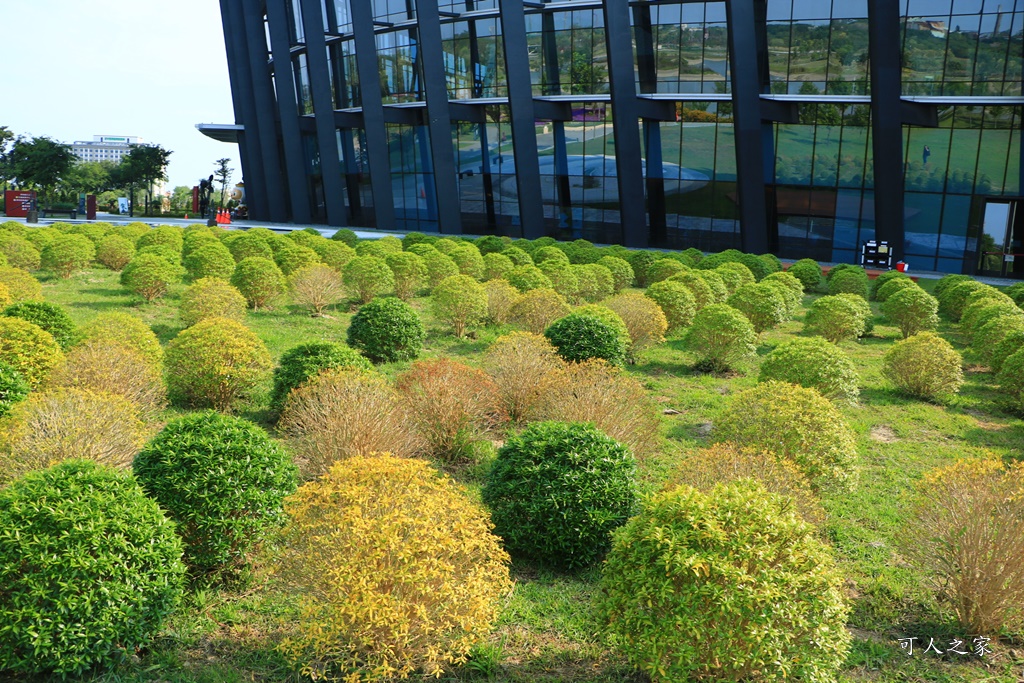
point(884, 434)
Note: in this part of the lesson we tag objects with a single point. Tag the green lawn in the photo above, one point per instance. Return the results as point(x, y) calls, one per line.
point(547, 633)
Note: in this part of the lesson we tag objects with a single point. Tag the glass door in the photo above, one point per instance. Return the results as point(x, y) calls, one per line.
point(1001, 251)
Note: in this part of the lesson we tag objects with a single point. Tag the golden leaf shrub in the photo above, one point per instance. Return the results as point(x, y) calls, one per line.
point(29, 349)
point(643, 317)
point(525, 366)
point(316, 287)
point(501, 296)
point(342, 413)
point(537, 309)
point(107, 366)
point(393, 570)
point(127, 330)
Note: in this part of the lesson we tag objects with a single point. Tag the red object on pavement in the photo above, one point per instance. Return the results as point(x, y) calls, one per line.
point(901, 266)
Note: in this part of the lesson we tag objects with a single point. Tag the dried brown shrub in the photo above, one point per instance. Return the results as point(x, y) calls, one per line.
point(342, 413)
point(53, 426)
point(102, 365)
point(452, 405)
point(525, 367)
point(501, 296)
point(597, 391)
point(644, 319)
point(538, 308)
point(726, 462)
point(316, 287)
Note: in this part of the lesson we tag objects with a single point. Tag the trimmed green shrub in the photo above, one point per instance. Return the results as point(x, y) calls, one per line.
point(115, 252)
point(812, 363)
point(734, 275)
point(50, 317)
point(164, 235)
point(863, 309)
point(132, 231)
point(841, 267)
point(259, 280)
point(21, 286)
point(518, 256)
point(1013, 341)
point(849, 281)
point(439, 266)
point(68, 253)
point(210, 260)
point(91, 574)
point(126, 330)
point(216, 363)
point(663, 269)
point(982, 315)
point(894, 285)
point(13, 388)
point(808, 272)
point(1011, 380)
point(913, 310)
point(345, 236)
point(386, 330)
point(414, 238)
point(1015, 292)
point(716, 282)
point(757, 267)
point(558, 490)
point(791, 282)
point(222, 480)
point(609, 318)
point(150, 276)
point(334, 254)
point(163, 251)
point(301, 363)
point(887, 276)
point(211, 297)
point(409, 271)
point(496, 265)
point(771, 262)
point(42, 237)
point(469, 260)
point(924, 365)
point(525, 278)
point(563, 278)
point(622, 272)
point(695, 282)
point(368, 276)
point(490, 244)
point(735, 566)
point(550, 254)
point(581, 336)
point(764, 305)
point(676, 301)
point(18, 251)
point(954, 298)
point(835, 318)
point(197, 239)
point(988, 339)
point(721, 338)
point(29, 349)
point(595, 282)
point(797, 424)
point(249, 245)
point(372, 247)
point(460, 301)
point(948, 282)
point(446, 244)
point(293, 258)
point(640, 261)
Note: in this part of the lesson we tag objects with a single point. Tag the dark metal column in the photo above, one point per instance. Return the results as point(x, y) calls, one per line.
point(648, 72)
point(553, 86)
point(323, 110)
point(373, 115)
point(524, 131)
point(245, 110)
point(887, 121)
point(435, 84)
point(625, 124)
point(288, 112)
point(746, 112)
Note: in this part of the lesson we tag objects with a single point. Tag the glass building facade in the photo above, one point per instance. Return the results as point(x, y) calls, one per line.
point(800, 127)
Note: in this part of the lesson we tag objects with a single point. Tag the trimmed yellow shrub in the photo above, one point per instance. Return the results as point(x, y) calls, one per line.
point(393, 570)
point(795, 423)
point(18, 251)
point(926, 366)
point(644, 319)
point(538, 308)
point(29, 349)
point(211, 297)
point(595, 281)
point(63, 424)
point(108, 367)
point(964, 531)
point(126, 330)
point(259, 280)
point(68, 253)
point(316, 287)
point(218, 363)
point(525, 367)
point(115, 251)
point(150, 276)
point(501, 296)
point(21, 286)
point(374, 420)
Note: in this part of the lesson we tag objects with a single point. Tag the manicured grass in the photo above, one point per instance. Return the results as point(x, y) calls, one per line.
point(547, 631)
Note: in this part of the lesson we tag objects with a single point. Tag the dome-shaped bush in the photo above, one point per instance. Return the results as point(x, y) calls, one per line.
point(643, 317)
point(387, 330)
point(29, 349)
point(924, 365)
point(913, 310)
point(735, 275)
point(222, 480)
point(982, 315)
point(18, 251)
point(795, 423)
point(501, 296)
point(764, 306)
point(886, 290)
point(247, 245)
point(518, 256)
point(884, 278)
point(301, 363)
point(295, 257)
point(581, 336)
point(622, 272)
point(558, 490)
point(91, 575)
point(849, 281)
point(469, 260)
point(368, 276)
point(21, 286)
point(396, 570)
point(50, 317)
point(372, 247)
point(345, 236)
point(988, 339)
point(545, 254)
point(563, 278)
point(197, 238)
point(813, 363)
point(488, 244)
point(978, 300)
point(595, 282)
point(790, 282)
point(67, 254)
point(525, 367)
point(126, 330)
point(108, 367)
point(676, 301)
point(735, 566)
point(211, 297)
point(410, 273)
point(537, 309)
point(165, 235)
point(954, 298)
point(808, 272)
point(40, 238)
point(640, 261)
point(115, 252)
point(259, 280)
point(721, 338)
point(439, 266)
point(163, 251)
point(210, 260)
point(700, 289)
point(334, 254)
point(497, 265)
point(663, 269)
point(1015, 292)
point(150, 276)
point(460, 301)
point(1011, 380)
point(835, 318)
point(529, 277)
point(218, 363)
point(13, 388)
point(948, 282)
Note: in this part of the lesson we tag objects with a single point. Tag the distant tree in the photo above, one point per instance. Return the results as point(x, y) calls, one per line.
point(6, 137)
point(38, 164)
point(223, 174)
point(90, 177)
point(181, 198)
point(142, 166)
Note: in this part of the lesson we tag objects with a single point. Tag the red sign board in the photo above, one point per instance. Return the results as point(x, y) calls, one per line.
point(18, 203)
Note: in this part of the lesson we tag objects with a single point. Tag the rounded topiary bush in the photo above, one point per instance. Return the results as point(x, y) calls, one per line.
point(334, 254)
point(497, 265)
point(150, 276)
point(211, 297)
point(792, 284)
point(386, 330)
point(164, 252)
point(663, 269)
point(544, 254)
point(295, 257)
point(13, 388)
point(977, 316)
point(676, 301)
point(115, 251)
point(595, 282)
point(835, 318)
point(537, 309)
point(953, 299)
point(644, 319)
point(21, 286)
point(887, 289)
point(563, 279)
point(368, 276)
point(301, 363)
point(217, 363)
point(808, 272)
point(439, 266)
point(518, 256)
point(51, 317)
point(622, 272)
point(734, 275)
point(849, 281)
point(247, 245)
point(989, 338)
point(1011, 380)
point(126, 330)
point(18, 251)
point(469, 260)
point(346, 236)
point(580, 336)
point(700, 289)
point(947, 282)
point(107, 366)
point(926, 366)
point(885, 278)
point(165, 236)
point(795, 423)
point(29, 349)
point(222, 480)
point(460, 301)
point(913, 310)
point(409, 271)
point(67, 254)
point(259, 280)
point(721, 338)
point(528, 277)
point(91, 575)
point(395, 570)
point(210, 260)
point(1015, 292)
point(763, 304)
point(814, 363)
point(558, 490)
point(735, 566)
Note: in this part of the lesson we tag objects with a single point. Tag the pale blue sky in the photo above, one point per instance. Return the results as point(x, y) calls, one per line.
point(128, 67)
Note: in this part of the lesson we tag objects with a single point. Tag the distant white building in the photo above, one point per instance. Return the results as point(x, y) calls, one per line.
point(105, 147)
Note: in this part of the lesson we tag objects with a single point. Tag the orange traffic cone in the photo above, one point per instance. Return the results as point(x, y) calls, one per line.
point(186, 216)
point(227, 217)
